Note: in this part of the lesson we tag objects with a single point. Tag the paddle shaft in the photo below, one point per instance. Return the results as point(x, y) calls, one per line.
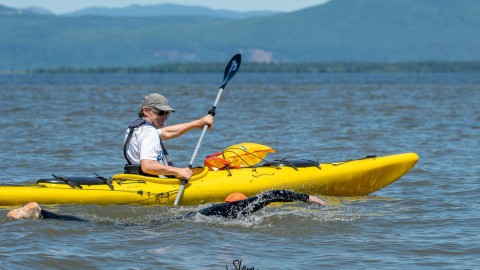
point(199, 143)
point(197, 148)
point(230, 70)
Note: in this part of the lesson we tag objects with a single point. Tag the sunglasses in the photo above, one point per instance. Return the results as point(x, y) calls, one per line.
point(162, 113)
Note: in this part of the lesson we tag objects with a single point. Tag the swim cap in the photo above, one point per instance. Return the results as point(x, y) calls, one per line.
point(236, 196)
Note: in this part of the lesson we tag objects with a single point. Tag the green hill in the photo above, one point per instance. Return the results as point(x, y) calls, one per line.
point(167, 10)
point(340, 30)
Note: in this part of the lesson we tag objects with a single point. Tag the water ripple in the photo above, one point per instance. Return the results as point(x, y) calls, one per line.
point(426, 220)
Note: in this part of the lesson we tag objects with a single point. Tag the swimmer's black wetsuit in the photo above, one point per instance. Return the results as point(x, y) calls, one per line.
point(44, 214)
point(250, 205)
point(229, 210)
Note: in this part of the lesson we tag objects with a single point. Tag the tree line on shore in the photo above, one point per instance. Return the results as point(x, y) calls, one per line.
point(333, 67)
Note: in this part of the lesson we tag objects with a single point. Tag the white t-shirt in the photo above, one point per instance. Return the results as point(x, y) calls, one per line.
point(145, 144)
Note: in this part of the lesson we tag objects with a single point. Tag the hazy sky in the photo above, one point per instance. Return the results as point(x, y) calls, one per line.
point(64, 6)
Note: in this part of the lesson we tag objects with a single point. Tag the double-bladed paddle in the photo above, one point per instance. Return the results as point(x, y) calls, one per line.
point(230, 70)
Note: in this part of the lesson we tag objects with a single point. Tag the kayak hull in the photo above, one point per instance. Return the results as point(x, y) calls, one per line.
point(348, 178)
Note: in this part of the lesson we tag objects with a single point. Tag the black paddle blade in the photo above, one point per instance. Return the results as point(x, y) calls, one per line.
point(231, 69)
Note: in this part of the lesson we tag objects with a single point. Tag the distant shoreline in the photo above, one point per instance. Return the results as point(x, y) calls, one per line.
point(330, 67)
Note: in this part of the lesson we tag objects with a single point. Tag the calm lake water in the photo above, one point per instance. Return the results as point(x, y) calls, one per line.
point(74, 125)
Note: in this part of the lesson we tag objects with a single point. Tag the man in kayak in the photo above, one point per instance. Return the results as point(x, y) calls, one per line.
point(236, 205)
point(143, 146)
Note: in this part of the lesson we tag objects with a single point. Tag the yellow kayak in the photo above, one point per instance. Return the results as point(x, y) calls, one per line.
point(347, 178)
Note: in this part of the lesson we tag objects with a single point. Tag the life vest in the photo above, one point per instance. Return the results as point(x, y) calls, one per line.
point(136, 169)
